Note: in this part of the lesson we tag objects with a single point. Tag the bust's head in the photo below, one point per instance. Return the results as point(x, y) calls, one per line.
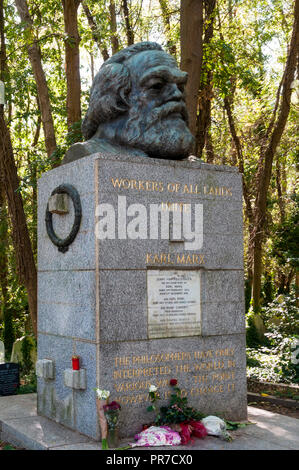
point(137, 102)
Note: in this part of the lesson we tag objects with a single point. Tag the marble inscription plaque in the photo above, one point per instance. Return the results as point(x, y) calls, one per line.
point(173, 303)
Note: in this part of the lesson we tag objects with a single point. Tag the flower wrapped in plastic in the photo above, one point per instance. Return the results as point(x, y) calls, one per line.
point(111, 411)
point(191, 428)
point(102, 400)
point(216, 427)
point(157, 436)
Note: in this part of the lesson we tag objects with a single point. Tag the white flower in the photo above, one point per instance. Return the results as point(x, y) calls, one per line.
point(153, 388)
point(102, 394)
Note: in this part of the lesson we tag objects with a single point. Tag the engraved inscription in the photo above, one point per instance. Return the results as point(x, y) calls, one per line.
point(173, 303)
point(208, 372)
point(171, 258)
point(171, 187)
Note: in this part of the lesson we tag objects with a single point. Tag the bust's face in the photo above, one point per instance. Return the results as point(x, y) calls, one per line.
point(157, 120)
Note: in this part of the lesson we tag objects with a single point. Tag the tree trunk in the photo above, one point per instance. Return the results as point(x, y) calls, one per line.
point(238, 147)
point(3, 247)
point(6, 313)
point(209, 145)
point(95, 31)
point(281, 201)
point(289, 279)
point(171, 47)
point(204, 115)
point(34, 54)
point(191, 54)
point(113, 27)
point(72, 62)
point(20, 235)
point(3, 214)
point(129, 29)
point(91, 66)
point(206, 89)
point(21, 240)
point(267, 158)
point(33, 180)
point(297, 287)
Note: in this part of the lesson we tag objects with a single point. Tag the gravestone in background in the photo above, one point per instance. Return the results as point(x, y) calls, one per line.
point(2, 352)
point(9, 378)
point(17, 354)
point(140, 311)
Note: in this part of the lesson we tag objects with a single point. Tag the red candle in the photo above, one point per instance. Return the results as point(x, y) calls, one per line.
point(75, 362)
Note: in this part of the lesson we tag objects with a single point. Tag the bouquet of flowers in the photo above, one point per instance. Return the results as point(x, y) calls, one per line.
point(157, 436)
point(111, 411)
point(102, 400)
point(178, 415)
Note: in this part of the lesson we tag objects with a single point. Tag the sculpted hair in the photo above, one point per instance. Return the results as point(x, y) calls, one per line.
point(110, 88)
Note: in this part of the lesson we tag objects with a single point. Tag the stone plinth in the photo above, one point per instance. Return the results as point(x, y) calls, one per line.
point(44, 369)
point(75, 378)
point(140, 311)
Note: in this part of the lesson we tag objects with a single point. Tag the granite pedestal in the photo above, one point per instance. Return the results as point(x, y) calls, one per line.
point(141, 311)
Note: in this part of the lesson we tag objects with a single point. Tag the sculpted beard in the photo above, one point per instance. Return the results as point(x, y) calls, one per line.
point(163, 131)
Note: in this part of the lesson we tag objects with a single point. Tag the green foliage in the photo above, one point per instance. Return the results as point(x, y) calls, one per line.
point(273, 364)
point(247, 294)
point(74, 135)
point(285, 247)
point(253, 339)
point(275, 360)
point(267, 289)
point(234, 425)
point(281, 317)
point(150, 408)
point(178, 410)
point(29, 385)
point(8, 331)
point(8, 447)
point(27, 347)
point(252, 361)
point(285, 394)
point(17, 305)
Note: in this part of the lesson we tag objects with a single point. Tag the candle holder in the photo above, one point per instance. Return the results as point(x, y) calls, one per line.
point(76, 362)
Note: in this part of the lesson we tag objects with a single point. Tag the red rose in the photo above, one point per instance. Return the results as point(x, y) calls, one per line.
point(173, 382)
point(112, 406)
